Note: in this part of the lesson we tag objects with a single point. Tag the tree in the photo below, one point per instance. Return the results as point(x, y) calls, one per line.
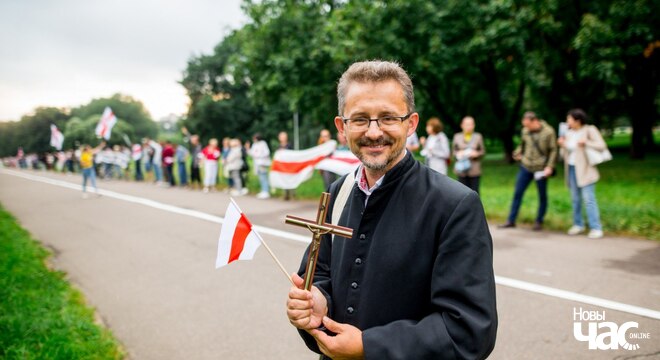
point(78, 132)
point(506, 57)
point(219, 98)
point(124, 107)
point(619, 47)
point(32, 132)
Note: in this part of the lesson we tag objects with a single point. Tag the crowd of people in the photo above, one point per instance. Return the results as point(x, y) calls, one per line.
point(408, 221)
point(537, 154)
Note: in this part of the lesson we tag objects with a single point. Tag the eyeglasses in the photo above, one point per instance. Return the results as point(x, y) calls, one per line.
point(362, 123)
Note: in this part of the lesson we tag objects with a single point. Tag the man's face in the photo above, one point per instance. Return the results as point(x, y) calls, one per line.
point(467, 125)
point(526, 123)
point(377, 149)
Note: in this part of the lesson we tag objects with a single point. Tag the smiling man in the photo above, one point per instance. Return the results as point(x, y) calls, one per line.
point(416, 280)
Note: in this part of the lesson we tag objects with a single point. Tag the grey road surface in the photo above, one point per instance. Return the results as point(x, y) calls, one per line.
point(150, 274)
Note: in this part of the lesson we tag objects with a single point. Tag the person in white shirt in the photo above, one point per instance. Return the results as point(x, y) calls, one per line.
point(261, 161)
point(436, 146)
point(581, 177)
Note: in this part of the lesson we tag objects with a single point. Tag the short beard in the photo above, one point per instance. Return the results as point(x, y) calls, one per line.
point(374, 166)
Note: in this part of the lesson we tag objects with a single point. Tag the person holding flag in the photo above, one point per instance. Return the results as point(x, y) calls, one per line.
point(416, 279)
point(56, 137)
point(107, 121)
point(87, 166)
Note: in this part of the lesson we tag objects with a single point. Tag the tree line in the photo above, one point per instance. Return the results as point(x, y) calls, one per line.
point(492, 59)
point(32, 132)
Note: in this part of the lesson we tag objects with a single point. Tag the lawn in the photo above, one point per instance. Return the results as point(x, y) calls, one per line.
point(628, 196)
point(41, 315)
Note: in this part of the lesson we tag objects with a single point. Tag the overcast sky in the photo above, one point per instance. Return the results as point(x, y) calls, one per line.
point(64, 53)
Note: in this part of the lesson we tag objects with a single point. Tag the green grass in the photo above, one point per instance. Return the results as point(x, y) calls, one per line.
point(628, 196)
point(41, 315)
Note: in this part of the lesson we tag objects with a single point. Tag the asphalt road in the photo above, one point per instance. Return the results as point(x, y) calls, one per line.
point(144, 257)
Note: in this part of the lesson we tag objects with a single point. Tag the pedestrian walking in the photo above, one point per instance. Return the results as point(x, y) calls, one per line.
point(87, 167)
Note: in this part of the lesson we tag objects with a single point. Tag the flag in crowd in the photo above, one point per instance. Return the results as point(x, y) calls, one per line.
point(290, 168)
point(340, 162)
point(56, 137)
point(238, 240)
point(104, 127)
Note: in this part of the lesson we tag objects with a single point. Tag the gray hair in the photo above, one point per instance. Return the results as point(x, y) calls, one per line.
point(375, 71)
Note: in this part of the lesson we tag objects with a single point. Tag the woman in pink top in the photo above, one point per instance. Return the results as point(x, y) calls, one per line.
point(211, 155)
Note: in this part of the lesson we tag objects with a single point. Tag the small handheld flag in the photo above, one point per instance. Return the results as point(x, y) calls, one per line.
point(239, 240)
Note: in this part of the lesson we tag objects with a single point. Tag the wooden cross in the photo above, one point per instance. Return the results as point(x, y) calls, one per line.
point(318, 228)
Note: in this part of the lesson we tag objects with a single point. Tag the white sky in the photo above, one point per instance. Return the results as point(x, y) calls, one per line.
point(65, 53)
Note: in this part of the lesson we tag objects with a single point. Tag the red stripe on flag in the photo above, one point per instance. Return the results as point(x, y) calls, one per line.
point(243, 229)
point(295, 167)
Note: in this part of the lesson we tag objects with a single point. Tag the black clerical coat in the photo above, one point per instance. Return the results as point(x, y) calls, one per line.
point(417, 276)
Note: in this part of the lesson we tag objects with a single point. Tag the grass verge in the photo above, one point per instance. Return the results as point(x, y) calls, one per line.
point(41, 315)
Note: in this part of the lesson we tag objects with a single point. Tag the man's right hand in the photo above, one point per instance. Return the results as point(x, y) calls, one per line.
point(305, 309)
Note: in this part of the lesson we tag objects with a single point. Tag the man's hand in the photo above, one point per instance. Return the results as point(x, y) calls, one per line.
point(547, 171)
point(346, 345)
point(305, 309)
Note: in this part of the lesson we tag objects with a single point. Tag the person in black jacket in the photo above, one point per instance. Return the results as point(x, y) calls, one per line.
point(416, 279)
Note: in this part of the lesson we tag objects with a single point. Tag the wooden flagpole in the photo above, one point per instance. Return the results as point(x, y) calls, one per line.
point(288, 276)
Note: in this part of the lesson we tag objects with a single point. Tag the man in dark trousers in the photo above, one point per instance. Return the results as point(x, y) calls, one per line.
point(416, 279)
point(537, 154)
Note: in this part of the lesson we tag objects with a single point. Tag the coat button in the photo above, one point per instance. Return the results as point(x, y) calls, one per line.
point(354, 285)
point(362, 236)
point(350, 310)
point(358, 261)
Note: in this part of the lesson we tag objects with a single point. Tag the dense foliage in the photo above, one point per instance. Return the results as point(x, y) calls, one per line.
point(492, 59)
point(32, 132)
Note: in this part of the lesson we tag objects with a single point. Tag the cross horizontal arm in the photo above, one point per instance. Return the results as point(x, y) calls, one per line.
point(326, 228)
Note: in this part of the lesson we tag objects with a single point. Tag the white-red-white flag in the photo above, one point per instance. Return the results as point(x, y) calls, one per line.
point(136, 152)
point(104, 127)
point(341, 162)
point(291, 168)
point(238, 241)
point(56, 137)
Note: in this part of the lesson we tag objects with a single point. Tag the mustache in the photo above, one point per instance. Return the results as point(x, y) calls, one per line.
point(383, 140)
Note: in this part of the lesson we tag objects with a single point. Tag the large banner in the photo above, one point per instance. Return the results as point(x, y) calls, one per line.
point(340, 162)
point(291, 168)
